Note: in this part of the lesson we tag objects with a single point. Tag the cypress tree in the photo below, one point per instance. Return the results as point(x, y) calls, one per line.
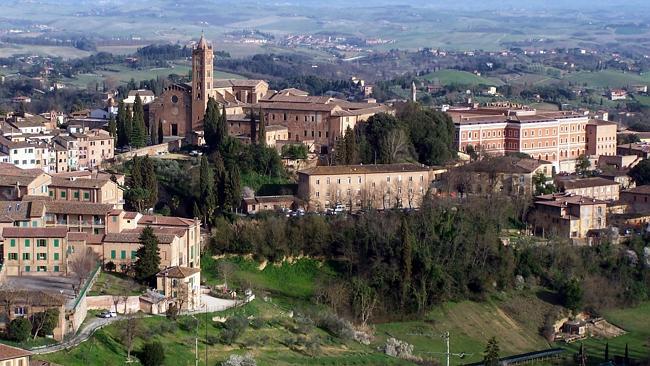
point(351, 148)
point(139, 131)
point(149, 181)
point(122, 118)
point(154, 134)
point(407, 258)
point(232, 192)
point(262, 130)
point(147, 263)
point(253, 128)
point(340, 151)
point(223, 126)
point(606, 351)
point(211, 124)
point(136, 173)
point(206, 189)
point(112, 126)
point(161, 133)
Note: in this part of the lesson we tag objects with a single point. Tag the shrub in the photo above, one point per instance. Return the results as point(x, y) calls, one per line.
point(336, 326)
point(234, 328)
point(258, 323)
point(188, 324)
point(172, 312)
point(152, 354)
point(110, 266)
point(212, 340)
point(20, 329)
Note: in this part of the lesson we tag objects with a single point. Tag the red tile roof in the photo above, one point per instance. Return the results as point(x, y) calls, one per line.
point(178, 272)
point(34, 232)
point(10, 353)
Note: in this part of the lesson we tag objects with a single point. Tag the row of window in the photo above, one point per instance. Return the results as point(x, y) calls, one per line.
point(75, 194)
point(27, 256)
point(41, 243)
point(360, 180)
point(42, 269)
point(515, 133)
point(123, 254)
point(388, 192)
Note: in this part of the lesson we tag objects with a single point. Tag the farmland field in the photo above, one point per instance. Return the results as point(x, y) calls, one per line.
point(446, 77)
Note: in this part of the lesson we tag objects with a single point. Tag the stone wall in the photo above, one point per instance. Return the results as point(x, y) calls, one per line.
point(105, 302)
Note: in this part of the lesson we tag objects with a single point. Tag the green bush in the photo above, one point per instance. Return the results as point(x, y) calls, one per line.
point(152, 354)
point(234, 327)
point(20, 329)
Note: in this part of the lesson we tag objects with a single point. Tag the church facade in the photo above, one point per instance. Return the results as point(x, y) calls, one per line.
point(181, 107)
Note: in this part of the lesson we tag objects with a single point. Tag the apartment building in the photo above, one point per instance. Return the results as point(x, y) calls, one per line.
point(95, 147)
point(25, 302)
point(601, 138)
point(13, 356)
point(567, 215)
point(35, 251)
point(558, 137)
point(595, 187)
point(318, 119)
point(15, 183)
point(86, 190)
point(365, 186)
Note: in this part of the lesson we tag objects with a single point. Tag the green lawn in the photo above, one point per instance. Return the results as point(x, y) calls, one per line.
point(607, 79)
point(446, 77)
point(115, 284)
point(635, 321)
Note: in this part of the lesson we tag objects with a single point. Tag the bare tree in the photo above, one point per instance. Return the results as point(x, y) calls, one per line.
point(395, 146)
point(125, 300)
point(364, 299)
point(9, 293)
point(116, 300)
point(130, 330)
point(81, 265)
point(226, 270)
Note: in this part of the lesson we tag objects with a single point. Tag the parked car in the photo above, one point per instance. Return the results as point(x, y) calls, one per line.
point(107, 314)
point(195, 153)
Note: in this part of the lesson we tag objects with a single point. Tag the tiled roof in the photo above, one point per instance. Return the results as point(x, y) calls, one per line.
point(134, 237)
point(587, 182)
point(364, 169)
point(645, 189)
point(14, 210)
point(35, 232)
point(165, 221)
point(10, 353)
point(244, 83)
point(78, 183)
point(81, 208)
point(505, 164)
point(178, 272)
point(35, 297)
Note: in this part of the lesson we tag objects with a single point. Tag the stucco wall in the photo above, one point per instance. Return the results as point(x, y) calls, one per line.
point(105, 302)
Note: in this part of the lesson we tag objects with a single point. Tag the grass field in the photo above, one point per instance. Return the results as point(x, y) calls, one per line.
point(607, 79)
point(115, 284)
point(123, 74)
point(635, 321)
point(446, 77)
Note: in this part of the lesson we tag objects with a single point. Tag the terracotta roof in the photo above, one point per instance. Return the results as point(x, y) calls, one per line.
point(178, 272)
point(645, 189)
point(243, 83)
point(15, 210)
point(82, 208)
point(506, 164)
point(35, 232)
point(365, 169)
point(87, 183)
point(134, 237)
point(563, 200)
point(10, 353)
point(35, 297)
point(586, 183)
point(129, 215)
point(165, 221)
point(269, 199)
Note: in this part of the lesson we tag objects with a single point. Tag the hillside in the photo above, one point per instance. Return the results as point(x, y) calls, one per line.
point(447, 77)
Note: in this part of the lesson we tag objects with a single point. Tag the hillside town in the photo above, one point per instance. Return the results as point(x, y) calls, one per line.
point(152, 189)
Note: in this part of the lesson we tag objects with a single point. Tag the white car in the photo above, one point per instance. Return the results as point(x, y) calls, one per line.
point(107, 314)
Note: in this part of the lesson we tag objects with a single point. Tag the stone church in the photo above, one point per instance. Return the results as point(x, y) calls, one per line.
point(181, 107)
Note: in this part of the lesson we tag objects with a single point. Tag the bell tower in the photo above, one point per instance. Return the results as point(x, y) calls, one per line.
point(202, 71)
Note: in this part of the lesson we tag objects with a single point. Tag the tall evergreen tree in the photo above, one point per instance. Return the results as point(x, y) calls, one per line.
point(340, 151)
point(211, 122)
point(262, 130)
point(223, 126)
point(138, 135)
point(161, 133)
point(149, 181)
point(491, 354)
point(147, 263)
point(121, 122)
point(253, 128)
point(351, 148)
point(206, 189)
point(606, 351)
point(407, 258)
point(136, 172)
point(232, 189)
point(153, 133)
point(112, 126)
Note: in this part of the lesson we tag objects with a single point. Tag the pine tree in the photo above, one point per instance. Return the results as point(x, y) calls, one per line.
point(206, 189)
point(112, 126)
point(253, 128)
point(153, 134)
point(407, 258)
point(232, 190)
point(138, 135)
point(262, 130)
point(491, 354)
point(147, 263)
point(211, 122)
point(161, 133)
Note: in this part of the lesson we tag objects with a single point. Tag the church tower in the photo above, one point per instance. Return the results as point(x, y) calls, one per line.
point(202, 67)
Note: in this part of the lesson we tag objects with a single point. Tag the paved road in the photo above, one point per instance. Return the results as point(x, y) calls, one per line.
point(82, 335)
point(213, 304)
